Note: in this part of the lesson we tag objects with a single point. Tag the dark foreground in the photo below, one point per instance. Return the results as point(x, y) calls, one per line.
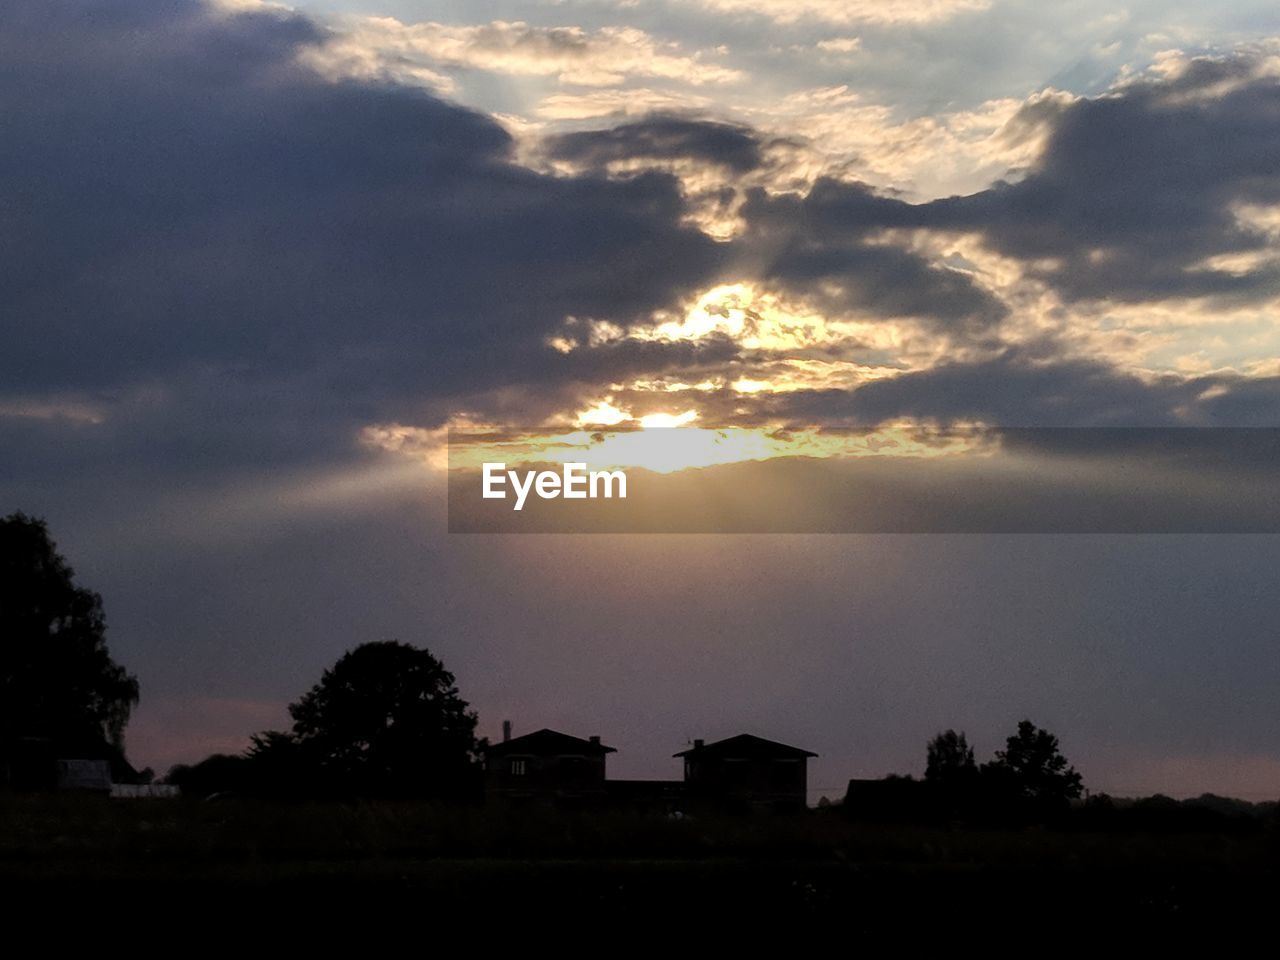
point(181, 860)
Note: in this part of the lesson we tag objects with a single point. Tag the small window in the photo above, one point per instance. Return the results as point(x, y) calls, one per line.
point(517, 768)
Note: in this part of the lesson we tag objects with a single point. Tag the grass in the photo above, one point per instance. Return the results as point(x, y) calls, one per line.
point(383, 857)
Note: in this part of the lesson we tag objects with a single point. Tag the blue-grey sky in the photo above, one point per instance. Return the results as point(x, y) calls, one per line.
point(257, 260)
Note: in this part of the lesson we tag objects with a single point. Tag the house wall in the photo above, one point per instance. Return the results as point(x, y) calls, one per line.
point(561, 776)
point(755, 782)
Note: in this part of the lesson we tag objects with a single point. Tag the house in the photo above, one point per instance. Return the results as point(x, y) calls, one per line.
point(742, 774)
point(746, 773)
point(45, 764)
point(889, 798)
point(83, 774)
point(546, 767)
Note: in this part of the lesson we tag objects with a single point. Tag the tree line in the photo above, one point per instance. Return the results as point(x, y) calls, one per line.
point(1030, 777)
point(387, 720)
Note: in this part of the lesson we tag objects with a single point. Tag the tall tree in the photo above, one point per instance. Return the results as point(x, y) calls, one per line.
point(57, 679)
point(949, 759)
point(1032, 768)
point(385, 720)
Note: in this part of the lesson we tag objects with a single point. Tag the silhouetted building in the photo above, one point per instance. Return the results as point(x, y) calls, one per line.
point(746, 773)
point(888, 798)
point(82, 774)
point(546, 766)
point(44, 764)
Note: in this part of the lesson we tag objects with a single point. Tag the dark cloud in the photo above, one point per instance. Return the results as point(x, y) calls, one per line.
point(730, 146)
point(237, 258)
point(1017, 389)
point(1033, 385)
point(190, 212)
point(1253, 403)
point(1135, 189)
point(824, 246)
point(184, 203)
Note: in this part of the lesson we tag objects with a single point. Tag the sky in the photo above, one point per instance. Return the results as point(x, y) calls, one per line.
point(258, 260)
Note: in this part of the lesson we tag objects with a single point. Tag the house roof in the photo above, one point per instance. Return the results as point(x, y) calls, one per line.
point(745, 746)
point(548, 742)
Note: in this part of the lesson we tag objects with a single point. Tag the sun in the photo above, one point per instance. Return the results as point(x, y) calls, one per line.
point(666, 443)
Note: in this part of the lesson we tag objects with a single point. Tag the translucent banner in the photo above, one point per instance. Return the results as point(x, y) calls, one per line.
point(881, 480)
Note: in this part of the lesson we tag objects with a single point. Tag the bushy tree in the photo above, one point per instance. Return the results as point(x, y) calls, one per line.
point(385, 720)
point(58, 681)
point(949, 759)
point(1032, 769)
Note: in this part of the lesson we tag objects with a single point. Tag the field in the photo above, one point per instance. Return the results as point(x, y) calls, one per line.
point(394, 860)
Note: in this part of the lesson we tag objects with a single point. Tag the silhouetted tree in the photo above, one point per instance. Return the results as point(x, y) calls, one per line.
point(281, 765)
point(949, 759)
point(57, 679)
point(216, 773)
point(385, 720)
point(951, 776)
point(1032, 770)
